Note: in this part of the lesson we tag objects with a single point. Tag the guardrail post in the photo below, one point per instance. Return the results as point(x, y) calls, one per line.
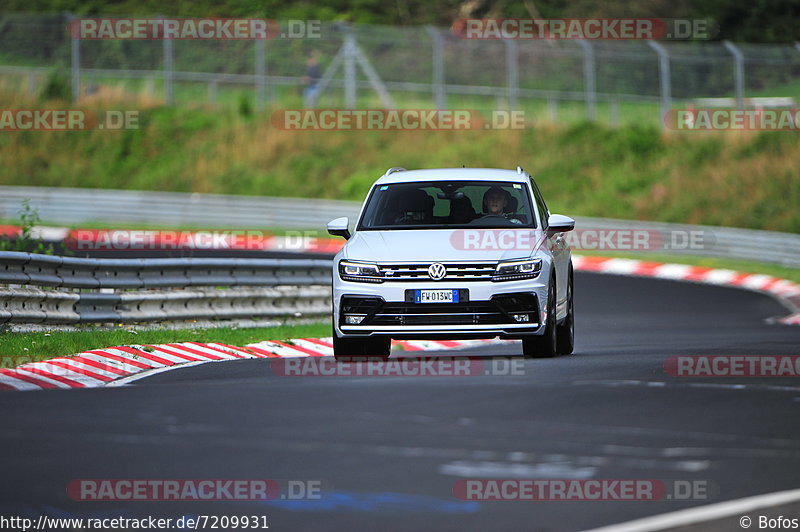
point(75, 66)
point(169, 76)
point(439, 96)
point(261, 73)
point(512, 72)
point(664, 77)
point(738, 72)
point(589, 78)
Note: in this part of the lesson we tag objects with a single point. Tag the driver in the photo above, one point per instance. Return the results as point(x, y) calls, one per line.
point(495, 201)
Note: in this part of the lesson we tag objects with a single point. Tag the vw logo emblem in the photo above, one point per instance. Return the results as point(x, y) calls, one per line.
point(437, 271)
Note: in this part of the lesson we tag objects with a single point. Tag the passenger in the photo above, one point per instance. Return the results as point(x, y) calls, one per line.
point(461, 211)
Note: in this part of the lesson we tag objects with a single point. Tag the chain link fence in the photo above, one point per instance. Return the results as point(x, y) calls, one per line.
point(408, 67)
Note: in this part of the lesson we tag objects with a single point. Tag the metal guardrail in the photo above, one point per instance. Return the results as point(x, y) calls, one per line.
point(76, 206)
point(721, 242)
point(86, 205)
point(50, 289)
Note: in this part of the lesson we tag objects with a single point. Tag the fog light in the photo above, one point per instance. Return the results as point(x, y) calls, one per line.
point(353, 319)
point(522, 318)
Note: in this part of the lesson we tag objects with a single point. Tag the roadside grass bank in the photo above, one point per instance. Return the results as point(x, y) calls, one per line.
point(635, 171)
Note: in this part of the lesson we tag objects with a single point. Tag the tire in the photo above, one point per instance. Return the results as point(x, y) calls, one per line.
point(544, 345)
point(565, 332)
point(360, 349)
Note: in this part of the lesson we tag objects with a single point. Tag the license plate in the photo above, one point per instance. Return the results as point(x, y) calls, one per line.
point(435, 296)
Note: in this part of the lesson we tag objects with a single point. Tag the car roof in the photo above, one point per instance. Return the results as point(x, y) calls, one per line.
point(453, 174)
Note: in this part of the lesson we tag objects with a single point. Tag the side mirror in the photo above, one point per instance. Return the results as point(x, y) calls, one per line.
point(560, 223)
point(340, 227)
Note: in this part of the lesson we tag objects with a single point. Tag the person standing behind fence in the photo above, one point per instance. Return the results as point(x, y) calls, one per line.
point(311, 79)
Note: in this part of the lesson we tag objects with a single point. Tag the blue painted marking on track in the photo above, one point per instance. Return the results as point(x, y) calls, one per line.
point(375, 502)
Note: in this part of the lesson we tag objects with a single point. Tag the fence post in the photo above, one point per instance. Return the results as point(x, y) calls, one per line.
point(439, 97)
point(552, 105)
point(614, 112)
point(75, 67)
point(349, 70)
point(169, 94)
point(261, 72)
point(512, 72)
point(738, 72)
point(589, 80)
point(212, 92)
point(665, 78)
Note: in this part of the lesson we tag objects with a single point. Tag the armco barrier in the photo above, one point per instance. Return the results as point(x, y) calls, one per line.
point(50, 289)
point(73, 206)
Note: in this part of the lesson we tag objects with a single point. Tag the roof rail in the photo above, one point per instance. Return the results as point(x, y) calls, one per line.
point(394, 169)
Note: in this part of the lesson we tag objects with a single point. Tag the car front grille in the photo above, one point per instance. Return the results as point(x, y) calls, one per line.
point(497, 311)
point(456, 271)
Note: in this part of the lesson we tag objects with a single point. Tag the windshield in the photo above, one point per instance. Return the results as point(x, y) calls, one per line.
point(448, 204)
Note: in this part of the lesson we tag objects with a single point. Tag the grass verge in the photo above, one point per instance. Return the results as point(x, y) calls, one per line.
point(18, 348)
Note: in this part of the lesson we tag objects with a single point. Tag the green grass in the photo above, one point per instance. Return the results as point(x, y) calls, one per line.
point(20, 347)
point(633, 171)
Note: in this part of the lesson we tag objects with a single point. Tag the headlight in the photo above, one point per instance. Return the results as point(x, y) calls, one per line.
point(517, 269)
point(362, 272)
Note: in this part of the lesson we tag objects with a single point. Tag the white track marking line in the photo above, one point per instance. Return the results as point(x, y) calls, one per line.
point(703, 514)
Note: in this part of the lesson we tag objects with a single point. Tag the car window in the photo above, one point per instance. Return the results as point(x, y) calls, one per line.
point(540, 203)
point(448, 204)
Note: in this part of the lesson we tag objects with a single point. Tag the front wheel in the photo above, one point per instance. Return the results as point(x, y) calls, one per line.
point(565, 332)
point(358, 349)
point(544, 346)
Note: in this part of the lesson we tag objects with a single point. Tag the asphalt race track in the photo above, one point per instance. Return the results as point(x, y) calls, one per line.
point(389, 450)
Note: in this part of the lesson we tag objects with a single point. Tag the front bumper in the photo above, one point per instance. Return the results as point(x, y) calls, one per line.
point(485, 310)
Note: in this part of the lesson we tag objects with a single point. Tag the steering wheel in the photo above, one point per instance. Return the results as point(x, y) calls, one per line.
point(486, 218)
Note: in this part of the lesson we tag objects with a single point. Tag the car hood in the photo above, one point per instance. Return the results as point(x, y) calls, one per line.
point(442, 245)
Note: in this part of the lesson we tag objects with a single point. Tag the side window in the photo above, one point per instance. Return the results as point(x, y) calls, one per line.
point(540, 204)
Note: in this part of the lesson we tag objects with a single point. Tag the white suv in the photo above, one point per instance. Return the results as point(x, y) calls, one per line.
point(449, 254)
